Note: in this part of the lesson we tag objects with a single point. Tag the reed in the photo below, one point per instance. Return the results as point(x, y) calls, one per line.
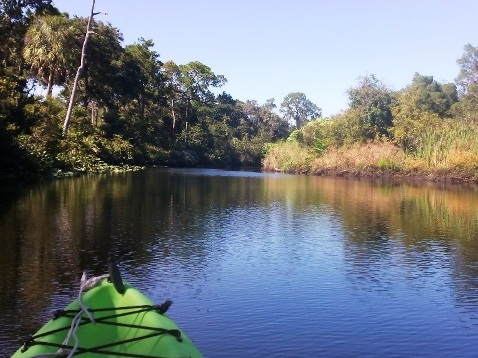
point(451, 148)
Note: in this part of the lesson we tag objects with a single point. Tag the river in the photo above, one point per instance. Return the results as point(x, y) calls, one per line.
point(257, 265)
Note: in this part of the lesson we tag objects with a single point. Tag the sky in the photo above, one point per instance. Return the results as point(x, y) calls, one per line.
point(270, 48)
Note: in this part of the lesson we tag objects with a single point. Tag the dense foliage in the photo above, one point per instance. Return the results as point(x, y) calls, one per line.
point(129, 108)
point(132, 109)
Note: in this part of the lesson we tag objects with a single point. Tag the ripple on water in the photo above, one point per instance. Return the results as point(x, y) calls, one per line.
point(257, 267)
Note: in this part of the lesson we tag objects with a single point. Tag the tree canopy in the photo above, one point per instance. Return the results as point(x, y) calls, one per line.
point(372, 102)
point(48, 44)
point(298, 109)
point(468, 68)
point(132, 108)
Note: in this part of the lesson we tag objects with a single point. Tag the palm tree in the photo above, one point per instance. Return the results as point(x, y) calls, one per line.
point(48, 50)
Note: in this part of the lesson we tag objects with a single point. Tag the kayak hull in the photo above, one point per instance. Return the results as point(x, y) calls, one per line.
point(125, 324)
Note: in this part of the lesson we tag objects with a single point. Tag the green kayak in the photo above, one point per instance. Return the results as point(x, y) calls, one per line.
point(119, 322)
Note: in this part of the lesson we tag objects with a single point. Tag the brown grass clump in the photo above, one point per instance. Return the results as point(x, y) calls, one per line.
point(369, 158)
point(461, 163)
point(450, 153)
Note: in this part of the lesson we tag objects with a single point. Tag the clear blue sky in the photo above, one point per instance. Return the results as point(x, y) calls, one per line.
point(269, 48)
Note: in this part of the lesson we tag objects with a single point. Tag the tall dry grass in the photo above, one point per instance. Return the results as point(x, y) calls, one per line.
point(449, 150)
point(365, 158)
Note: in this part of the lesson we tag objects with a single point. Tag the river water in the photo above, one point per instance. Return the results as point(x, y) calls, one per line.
point(257, 265)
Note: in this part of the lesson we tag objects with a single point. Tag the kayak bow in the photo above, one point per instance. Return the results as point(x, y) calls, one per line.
point(116, 324)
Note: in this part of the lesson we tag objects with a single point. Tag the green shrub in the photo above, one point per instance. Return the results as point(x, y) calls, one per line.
point(387, 164)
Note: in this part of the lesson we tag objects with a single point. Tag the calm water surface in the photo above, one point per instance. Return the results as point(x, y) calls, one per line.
point(258, 265)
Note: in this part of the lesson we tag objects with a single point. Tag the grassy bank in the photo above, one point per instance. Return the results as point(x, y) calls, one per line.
point(448, 153)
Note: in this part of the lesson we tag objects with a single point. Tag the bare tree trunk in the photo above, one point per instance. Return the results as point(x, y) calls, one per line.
point(94, 114)
point(186, 134)
point(49, 88)
point(174, 115)
point(78, 72)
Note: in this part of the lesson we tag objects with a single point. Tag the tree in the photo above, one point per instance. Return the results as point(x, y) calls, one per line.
point(298, 109)
point(197, 78)
point(174, 91)
point(227, 110)
point(140, 93)
point(15, 17)
point(100, 72)
point(97, 74)
point(79, 71)
point(188, 89)
point(17, 11)
point(411, 116)
point(141, 77)
point(262, 120)
point(467, 108)
point(422, 104)
point(432, 96)
point(371, 100)
point(49, 50)
point(467, 81)
point(275, 125)
point(346, 128)
point(468, 69)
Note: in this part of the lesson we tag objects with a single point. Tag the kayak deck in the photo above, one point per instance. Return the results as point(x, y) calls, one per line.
point(125, 325)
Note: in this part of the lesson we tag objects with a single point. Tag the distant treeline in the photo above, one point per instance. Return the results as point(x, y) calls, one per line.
point(427, 129)
point(132, 109)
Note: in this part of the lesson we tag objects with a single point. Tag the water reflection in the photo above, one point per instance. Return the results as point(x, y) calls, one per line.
point(424, 234)
point(376, 255)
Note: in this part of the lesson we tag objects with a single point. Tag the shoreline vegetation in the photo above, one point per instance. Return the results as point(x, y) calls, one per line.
point(372, 160)
point(130, 111)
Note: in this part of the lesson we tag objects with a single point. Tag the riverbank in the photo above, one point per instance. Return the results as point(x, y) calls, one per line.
point(30, 176)
point(410, 177)
point(370, 160)
point(374, 160)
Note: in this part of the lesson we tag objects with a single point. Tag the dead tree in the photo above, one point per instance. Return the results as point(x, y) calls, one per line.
point(66, 124)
